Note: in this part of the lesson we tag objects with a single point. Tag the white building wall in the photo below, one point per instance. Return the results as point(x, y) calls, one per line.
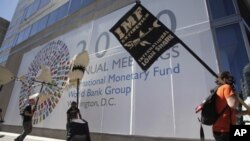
point(156, 103)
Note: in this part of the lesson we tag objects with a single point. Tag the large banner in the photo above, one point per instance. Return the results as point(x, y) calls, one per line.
point(116, 95)
point(143, 35)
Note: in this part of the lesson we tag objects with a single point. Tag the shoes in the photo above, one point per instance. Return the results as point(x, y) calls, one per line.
point(1, 121)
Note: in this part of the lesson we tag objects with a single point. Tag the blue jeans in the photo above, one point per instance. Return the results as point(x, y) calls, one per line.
point(221, 136)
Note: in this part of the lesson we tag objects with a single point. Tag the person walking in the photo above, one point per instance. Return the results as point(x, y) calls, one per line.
point(1, 121)
point(27, 120)
point(73, 113)
point(1, 116)
point(226, 99)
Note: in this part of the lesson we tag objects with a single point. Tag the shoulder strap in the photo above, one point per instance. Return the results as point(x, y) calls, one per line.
point(202, 136)
point(230, 118)
point(223, 111)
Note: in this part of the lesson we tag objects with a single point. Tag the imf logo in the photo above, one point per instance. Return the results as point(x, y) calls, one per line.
point(55, 57)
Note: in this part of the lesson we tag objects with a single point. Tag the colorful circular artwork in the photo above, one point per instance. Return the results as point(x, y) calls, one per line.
point(55, 56)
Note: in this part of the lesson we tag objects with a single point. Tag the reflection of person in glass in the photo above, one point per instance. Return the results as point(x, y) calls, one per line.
point(27, 120)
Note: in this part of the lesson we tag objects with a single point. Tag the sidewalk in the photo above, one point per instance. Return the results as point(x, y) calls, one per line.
point(6, 136)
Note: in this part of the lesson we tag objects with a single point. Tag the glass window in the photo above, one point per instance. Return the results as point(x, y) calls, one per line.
point(42, 23)
point(24, 14)
point(15, 40)
point(43, 3)
point(3, 46)
point(58, 14)
point(221, 8)
point(63, 11)
point(232, 54)
point(248, 36)
point(28, 11)
point(26, 33)
point(23, 35)
point(52, 18)
point(39, 25)
point(11, 42)
point(19, 38)
point(35, 6)
point(34, 29)
point(4, 58)
point(86, 2)
point(74, 5)
point(32, 8)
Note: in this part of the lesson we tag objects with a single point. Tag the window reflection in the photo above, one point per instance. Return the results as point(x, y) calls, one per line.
point(39, 25)
point(74, 5)
point(221, 8)
point(28, 13)
point(86, 2)
point(43, 3)
point(63, 11)
point(34, 7)
point(42, 23)
point(23, 35)
point(232, 53)
point(66, 9)
point(52, 18)
point(34, 29)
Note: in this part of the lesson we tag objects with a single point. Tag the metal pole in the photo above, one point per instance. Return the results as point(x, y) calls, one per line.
point(77, 91)
point(1, 86)
point(38, 98)
point(198, 58)
point(211, 71)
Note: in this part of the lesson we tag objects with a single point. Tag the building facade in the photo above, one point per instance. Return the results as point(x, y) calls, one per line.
point(117, 98)
point(3, 29)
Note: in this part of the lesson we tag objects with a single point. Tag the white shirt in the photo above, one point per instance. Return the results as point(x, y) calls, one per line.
point(246, 118)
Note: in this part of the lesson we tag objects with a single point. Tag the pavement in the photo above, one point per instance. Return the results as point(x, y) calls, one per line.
point(6, 136)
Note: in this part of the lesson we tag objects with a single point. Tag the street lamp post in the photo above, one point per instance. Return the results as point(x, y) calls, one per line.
point(78, 67)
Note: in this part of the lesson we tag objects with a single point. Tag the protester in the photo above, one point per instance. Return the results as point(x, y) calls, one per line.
point(1, 116)
point(1, 121)
point(226, 98)
point(27, 120)
point(73, 112)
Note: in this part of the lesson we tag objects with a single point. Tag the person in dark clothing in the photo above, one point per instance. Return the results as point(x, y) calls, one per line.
point(1, 117)
point(27, 121)
point(73, 112)
point(1, 121)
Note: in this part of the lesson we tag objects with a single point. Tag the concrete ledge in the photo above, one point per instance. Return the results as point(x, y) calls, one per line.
point(61, 134)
